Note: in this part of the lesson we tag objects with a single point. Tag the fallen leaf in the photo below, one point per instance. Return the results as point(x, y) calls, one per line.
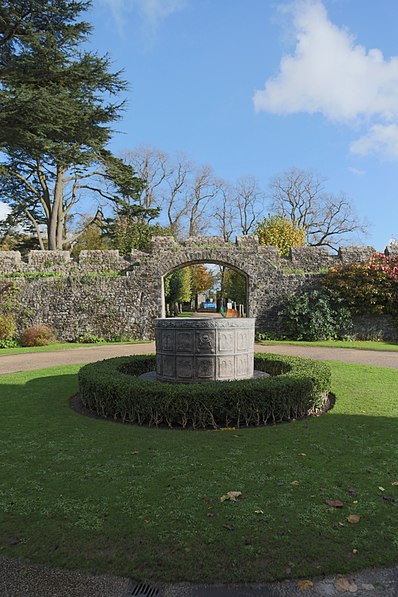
point(305, 585)
point(258, 512)
point(355, 502)
point(352, 492)
point(354, 551)
point(210, 514)
point(353, 518)
point(381, 488)
point(135, 452)
point(345, 585)
point(228, 527)
point(303, 454)
point(232, 496)
point(295, 483)
point(335, 503)
point(394, 482)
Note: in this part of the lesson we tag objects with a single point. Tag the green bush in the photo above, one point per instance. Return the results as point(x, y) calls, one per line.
point(90, 339)
point(37, 335)
point(112, 388)
point(7, 326)
point(9, 343)
point(313, 315)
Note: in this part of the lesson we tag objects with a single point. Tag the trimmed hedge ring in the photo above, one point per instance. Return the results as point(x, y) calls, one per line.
point(297, 388)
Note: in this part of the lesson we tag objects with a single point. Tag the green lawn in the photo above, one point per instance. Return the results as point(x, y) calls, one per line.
point(359, 344)
point(145, 503)
point(63, 346)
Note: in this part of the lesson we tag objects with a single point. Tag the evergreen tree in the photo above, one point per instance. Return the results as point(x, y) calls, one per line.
point(56, 106)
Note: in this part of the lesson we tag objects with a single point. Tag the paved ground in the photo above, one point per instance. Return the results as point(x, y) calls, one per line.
point(18, 579)
point(347, 355)
point(41, 360)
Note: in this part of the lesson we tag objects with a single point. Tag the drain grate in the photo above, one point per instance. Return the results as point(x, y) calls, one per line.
point(142, 590)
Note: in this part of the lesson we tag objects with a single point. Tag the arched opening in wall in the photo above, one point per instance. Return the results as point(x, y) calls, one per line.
point(205, 288)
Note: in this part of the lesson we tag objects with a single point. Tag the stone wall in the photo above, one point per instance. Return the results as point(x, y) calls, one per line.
point(105, 294)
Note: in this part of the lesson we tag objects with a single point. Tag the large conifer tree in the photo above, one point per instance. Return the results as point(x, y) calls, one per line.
point(56, 107)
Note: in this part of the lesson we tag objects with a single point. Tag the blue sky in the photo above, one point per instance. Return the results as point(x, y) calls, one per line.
point(254, 87)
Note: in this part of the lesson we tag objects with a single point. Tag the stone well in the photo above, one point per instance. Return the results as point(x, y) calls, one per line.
point(194, 350)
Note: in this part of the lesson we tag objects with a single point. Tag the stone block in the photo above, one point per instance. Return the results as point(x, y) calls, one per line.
point(10, 262)
point(48, 260)
point(204, 241)
point(349, 255)
point(310, 259)
point(247, 243)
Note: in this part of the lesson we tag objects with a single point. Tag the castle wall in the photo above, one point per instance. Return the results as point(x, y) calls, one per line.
point(104, 294)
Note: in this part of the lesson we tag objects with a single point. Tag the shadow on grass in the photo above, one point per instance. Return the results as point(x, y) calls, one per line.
point(83, 493)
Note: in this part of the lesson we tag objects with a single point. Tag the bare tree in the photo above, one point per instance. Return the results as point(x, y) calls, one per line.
point(203, 190)
point(250, 203)
point(300, 196)
point(153, 167)
point(175, 198)
point(224, 212)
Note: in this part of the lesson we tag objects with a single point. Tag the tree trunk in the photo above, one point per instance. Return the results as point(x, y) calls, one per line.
point(55, 224)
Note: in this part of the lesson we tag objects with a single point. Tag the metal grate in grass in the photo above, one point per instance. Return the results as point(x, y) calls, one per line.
point(142, 590)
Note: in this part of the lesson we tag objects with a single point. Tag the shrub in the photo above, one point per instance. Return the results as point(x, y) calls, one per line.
point(37, 335)
point(9, 343)
point(366, 288)
point(313, 315)
point(112, 388)
point(90, 339)
point(7, 326)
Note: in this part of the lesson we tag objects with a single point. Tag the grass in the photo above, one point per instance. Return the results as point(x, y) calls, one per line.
point(64, 346)
point(100, 496)
point(359, 344)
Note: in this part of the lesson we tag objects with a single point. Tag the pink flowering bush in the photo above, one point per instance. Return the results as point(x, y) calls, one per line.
point(366, 288)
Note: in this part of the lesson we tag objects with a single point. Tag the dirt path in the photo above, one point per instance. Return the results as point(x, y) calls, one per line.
point(42, 360)
point(71, 356)
point(347, 355)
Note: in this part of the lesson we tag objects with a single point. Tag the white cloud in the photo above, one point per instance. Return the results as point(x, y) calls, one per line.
point(330, 73)
point(357, 171)
point(152, 11)
point(4, 210)
point(382, 140)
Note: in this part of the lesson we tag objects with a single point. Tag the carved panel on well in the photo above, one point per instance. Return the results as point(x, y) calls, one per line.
point(206, 367)
point(226, 368)
point(226, 341)
point(185, 341)
point(168, 341)
point(241, 365)
point(184, 368)
point(159, 368)
point(168, 366)
point(241, 340)
point(205, 342)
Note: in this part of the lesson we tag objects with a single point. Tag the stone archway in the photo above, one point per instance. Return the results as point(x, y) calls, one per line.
point(222, 263)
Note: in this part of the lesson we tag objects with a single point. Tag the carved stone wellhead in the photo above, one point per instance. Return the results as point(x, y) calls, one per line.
point(194, 350)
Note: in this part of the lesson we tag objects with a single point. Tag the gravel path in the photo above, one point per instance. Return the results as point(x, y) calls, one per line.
point(89, 354)
point(380, 358)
